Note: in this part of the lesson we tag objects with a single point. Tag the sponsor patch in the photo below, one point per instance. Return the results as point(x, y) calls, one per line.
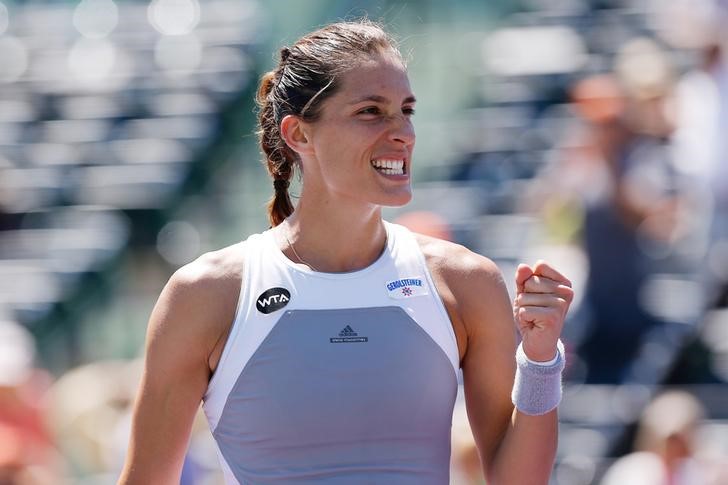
point(272, 299)
point(406, 288)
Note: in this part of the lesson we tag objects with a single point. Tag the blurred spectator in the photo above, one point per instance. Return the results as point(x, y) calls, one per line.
point(90, 404)
point(91, 418)
point(701, 144)
point(27, 452)
point(667, 451)
point(617, 169)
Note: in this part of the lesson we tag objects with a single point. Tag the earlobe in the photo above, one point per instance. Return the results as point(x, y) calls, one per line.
point(293, 133)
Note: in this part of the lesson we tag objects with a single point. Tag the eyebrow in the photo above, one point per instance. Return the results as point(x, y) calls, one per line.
point(381, 99)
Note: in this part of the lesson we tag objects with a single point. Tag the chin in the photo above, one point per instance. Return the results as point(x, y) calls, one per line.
point(396, 200)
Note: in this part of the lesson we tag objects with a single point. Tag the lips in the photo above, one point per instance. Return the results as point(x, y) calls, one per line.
point(388, 166)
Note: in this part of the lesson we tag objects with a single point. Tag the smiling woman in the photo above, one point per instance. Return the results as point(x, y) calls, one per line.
point(369, 99)
point(326, 349)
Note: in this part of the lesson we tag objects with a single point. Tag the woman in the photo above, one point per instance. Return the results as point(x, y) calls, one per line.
point(340, 363)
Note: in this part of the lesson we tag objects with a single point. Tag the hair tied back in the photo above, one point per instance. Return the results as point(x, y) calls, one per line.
point(281, 184)
point(285, 52)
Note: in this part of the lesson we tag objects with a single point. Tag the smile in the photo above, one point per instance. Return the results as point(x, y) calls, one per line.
point(389, 167)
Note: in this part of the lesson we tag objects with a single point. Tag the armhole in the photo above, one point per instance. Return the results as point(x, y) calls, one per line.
point(439, 303)
point(243, 302)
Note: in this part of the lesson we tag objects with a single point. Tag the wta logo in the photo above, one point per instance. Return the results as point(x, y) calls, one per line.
point(272, 300)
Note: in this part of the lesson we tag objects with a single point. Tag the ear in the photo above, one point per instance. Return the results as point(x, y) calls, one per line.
point(293, 132)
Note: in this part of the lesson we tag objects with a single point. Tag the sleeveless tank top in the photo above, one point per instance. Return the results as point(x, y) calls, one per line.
point(336, 378)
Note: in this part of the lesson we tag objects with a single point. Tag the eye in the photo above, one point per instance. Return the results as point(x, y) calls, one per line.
point(408, 110)
point(369, 110)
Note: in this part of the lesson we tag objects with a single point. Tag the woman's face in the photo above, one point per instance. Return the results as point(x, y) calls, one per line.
point(363, 141)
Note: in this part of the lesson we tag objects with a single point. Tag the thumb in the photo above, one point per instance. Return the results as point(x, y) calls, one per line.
point(523, 272)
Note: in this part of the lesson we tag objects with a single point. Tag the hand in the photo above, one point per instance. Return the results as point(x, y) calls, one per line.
point(543, 296)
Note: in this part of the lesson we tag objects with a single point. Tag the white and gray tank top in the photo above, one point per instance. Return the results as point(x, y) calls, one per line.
point(336, 378)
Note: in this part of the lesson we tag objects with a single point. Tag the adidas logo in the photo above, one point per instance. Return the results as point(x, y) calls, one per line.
point(348, 335)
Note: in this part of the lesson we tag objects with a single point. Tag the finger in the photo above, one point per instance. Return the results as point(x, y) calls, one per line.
point(542, 268)
point(539, 317)
point(523, 272)
point(549, 288)
point(560, 291)
point(540, 284)
point(540, 300)
point(565, 292)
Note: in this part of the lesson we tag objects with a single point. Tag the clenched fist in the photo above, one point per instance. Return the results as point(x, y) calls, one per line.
point(543, 296)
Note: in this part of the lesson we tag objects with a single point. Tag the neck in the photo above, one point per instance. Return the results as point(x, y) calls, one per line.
point(333, 239)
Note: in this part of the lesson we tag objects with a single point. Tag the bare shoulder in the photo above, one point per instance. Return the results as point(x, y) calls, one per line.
point(472, 289)
point(197, 305)
point(214, 271)
point(464, 271)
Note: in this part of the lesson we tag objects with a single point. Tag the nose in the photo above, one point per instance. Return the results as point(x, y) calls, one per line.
point(402, 130)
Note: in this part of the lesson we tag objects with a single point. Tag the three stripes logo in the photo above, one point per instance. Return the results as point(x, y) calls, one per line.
point(348, 335)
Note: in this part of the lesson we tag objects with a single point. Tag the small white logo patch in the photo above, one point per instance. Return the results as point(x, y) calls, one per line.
point(407, 288)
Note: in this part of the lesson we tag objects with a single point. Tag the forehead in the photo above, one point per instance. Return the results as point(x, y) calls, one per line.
point(380, 75)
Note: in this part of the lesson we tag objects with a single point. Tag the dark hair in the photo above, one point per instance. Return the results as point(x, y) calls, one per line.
point(306, 75)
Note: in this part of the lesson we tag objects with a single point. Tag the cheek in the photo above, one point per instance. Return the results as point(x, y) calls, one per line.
point(350, 142)
point(341, 144)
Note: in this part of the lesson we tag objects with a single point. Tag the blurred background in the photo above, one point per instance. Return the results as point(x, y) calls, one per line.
point(591, 133)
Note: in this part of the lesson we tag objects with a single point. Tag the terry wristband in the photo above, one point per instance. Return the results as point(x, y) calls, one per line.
point(537, 388)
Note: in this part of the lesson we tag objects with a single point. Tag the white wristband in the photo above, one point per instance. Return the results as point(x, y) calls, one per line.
point(537, 387)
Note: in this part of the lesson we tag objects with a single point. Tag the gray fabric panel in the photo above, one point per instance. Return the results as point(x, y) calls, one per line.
point(318, 404)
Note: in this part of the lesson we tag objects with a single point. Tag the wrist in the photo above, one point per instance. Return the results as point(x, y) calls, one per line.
point(537, 387)
point(544, 363)
point(539, 351)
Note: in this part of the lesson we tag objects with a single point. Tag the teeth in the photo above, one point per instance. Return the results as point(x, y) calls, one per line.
point(389, 167)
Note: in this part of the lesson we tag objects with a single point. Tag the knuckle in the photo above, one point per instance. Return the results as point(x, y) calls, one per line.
point(566, 292)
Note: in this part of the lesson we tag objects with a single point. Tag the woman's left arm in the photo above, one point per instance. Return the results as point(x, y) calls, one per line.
point(515, 447)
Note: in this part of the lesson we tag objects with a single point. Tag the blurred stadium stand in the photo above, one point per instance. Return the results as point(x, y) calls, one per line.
point(109, 115)
point(123, 126)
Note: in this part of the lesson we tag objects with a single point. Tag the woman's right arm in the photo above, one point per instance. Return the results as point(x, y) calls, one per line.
point(186, 327)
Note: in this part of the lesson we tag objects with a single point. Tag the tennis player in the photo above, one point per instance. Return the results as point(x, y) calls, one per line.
point(326, 349)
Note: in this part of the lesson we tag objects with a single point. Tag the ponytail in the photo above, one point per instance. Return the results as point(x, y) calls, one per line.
point(280, 205)
point(279, 159)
